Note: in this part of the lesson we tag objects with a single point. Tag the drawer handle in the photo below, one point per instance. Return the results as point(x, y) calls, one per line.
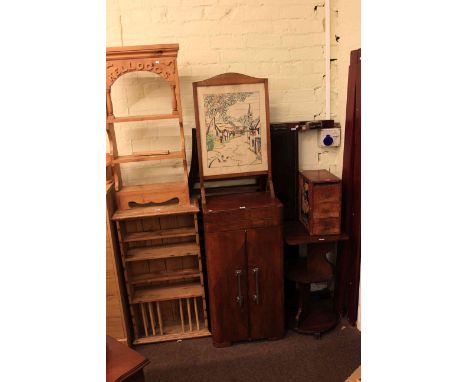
point(256, 296)
point(239, 298)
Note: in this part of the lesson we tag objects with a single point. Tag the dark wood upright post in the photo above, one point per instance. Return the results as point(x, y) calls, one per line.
point(348, 267)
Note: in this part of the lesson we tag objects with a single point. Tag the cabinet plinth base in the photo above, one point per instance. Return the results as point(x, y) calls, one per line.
point(275, 338)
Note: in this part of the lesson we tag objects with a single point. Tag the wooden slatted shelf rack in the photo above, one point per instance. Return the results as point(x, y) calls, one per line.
point(162, 267)
point(162, 234)
point(183, 275)
point(162, 252)
point(186, 290)
point(155, 326)
point(162, 61)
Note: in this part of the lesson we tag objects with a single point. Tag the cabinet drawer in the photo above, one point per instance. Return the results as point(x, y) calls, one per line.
point(242, 219)
point(325, 226)
point(326, 193)
point(225, 217)
point(326, 210)
point(241, 224)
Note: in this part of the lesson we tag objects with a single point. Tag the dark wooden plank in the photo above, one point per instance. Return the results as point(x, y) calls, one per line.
point(347, 269)
point(355, 271)
point(285, 166)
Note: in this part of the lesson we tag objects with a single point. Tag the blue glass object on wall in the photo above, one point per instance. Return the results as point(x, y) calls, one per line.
point(328, 140)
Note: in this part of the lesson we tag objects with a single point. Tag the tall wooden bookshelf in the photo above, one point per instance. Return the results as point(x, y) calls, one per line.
point(156, 224)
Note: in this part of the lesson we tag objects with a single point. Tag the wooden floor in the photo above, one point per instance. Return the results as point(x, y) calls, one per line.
point(294, 358)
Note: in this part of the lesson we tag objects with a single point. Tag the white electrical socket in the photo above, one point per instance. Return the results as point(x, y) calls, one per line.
point(329, 137)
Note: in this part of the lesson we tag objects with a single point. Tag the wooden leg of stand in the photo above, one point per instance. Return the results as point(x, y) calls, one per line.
point(303, 291)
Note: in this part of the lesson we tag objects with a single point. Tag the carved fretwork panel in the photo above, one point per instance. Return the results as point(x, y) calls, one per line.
point(164, 67)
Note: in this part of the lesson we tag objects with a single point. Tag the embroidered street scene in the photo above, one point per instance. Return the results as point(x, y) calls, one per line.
point(233, 129)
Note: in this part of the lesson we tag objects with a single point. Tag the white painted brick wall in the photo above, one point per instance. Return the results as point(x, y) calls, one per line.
point(283, 41)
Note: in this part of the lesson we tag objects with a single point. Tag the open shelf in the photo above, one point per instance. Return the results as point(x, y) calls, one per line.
point(139, 118)
point(162, 252)
point(148, 156)
point(142, 212)
point(161, 234)
point(145, 195)
point(162, 293)
point(180, 275)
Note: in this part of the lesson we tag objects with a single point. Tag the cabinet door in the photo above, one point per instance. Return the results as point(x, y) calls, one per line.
point(266, 292)
point(227, 285)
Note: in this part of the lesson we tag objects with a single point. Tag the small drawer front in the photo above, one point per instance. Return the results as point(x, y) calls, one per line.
point(327, 226)
point(225, 217)
point(265, 213)
point(326, 210)
point(326, 193)
point(243, 219)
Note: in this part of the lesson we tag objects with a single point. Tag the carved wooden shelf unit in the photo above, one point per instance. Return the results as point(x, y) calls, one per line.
point(161, 60)
point(161, 261)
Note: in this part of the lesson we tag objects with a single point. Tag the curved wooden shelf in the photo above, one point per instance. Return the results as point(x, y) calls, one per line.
point(301, 273)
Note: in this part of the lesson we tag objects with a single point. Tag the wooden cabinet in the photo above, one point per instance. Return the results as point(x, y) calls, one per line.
point(244, 255)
